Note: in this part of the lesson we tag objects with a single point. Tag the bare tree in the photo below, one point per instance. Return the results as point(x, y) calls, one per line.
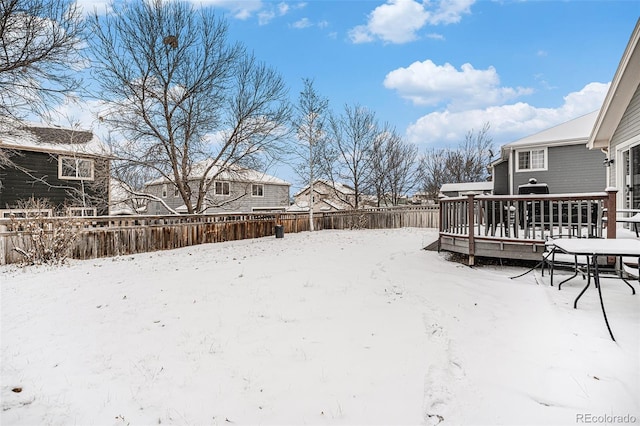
point(467, 163)
point(190, 104)
point(353, 135)
point(401, 167)
point(393, 166)
point(433, 171)
point(310, 122)
point(40, 41)
point(379, 170)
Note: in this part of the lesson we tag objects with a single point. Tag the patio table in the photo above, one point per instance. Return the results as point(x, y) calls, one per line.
point(594, 248)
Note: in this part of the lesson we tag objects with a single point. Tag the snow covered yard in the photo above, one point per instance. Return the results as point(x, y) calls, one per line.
point(331, 327)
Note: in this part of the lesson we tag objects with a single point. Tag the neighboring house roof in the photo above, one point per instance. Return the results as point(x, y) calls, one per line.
point(235, 174)
point(467, 186)
point(572, 132)
point(41, 138)
point(324, 187)
point(623, 86)
point(303, 206)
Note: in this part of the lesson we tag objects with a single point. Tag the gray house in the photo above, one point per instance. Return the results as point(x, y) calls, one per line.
point(66, 169)
point(557, 156)
point(327, 196)
point(617, 128)
point(238, 190)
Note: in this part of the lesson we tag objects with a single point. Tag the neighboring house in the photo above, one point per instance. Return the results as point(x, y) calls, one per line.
point(458, 189)
point(328, 196)
point(239, 190)
point(421, 198)
point(67, 168)
point(617, 128)
point(123, 202)
point(557, 156)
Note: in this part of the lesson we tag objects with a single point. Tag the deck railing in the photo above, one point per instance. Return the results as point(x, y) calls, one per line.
point(517, 226)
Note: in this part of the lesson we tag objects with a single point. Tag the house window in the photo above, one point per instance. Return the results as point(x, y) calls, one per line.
point(164, 191)
point(531, 160)
point(221, 188)
point(176, 192)
point(257, 190)
point(75, 168)
point(19, 213)
point(81, 211)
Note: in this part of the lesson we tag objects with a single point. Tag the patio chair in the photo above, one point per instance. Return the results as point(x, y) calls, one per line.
point(553, 258)
point(635, 220)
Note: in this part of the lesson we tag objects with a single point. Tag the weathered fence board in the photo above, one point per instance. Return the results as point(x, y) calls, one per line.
point(117, 236)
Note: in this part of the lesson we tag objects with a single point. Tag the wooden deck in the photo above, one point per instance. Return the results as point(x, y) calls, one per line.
point(516, 227)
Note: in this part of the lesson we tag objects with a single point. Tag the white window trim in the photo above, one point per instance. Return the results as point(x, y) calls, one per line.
point(260, 185)
point(81, 211)
point(76, 159)
point(541, 169)
point(165, 191)
point(620, 173)
point(215, 192)
point(6, 213)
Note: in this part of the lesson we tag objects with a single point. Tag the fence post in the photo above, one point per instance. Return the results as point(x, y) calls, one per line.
point(470, 224)
point(3, 245)
point(611, 212)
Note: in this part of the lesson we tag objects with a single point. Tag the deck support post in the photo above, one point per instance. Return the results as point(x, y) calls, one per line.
point(611, 218)
point(471, 223)
point(611, 212)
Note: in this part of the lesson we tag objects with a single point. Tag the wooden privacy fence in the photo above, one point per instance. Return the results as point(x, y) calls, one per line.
point(516, 227)
point(124, 235)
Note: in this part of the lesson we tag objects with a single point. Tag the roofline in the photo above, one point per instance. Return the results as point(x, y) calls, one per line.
point(79, 152)
point(198, 178)
point(559, 142)
point(602, 129)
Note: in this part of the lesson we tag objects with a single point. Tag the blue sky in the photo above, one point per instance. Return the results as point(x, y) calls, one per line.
point(436, 69)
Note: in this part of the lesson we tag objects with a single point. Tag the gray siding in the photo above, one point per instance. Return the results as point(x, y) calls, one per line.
point(275, 196)
point(571, 169)
point(501, 178)
point(628, 128)
point(42, 182)
point(630, 123)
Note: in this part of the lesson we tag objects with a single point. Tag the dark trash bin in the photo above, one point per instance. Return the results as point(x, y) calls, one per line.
point(279, 231)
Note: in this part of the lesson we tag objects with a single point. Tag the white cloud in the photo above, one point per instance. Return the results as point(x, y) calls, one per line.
point(240, 9)
point(281, 9)
point(425, 83)
point(508, 122)
point(302, 23)
point(89, 6)
point(398, 21)
point(360, 34)
point(435, 36)
point(265, 17)
point(450, 11)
